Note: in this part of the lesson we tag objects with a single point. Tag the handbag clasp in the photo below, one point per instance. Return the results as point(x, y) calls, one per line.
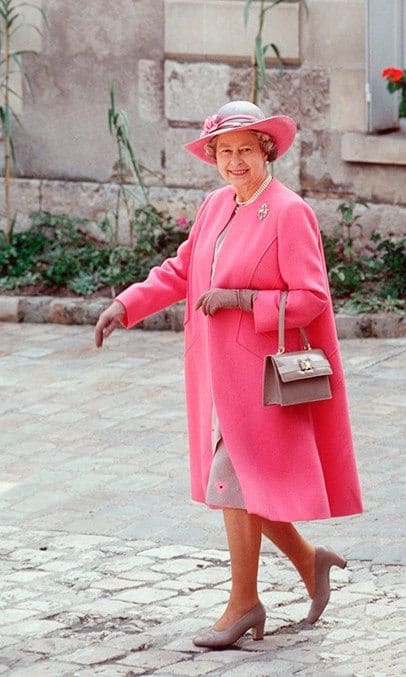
point(305, 365)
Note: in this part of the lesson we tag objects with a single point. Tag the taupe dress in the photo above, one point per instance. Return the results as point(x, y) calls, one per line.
point(223, 489)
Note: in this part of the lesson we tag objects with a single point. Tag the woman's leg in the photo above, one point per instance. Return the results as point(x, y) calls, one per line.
point(300, 552)
point(244, 542)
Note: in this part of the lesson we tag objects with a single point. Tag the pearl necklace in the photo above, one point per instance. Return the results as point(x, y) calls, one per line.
point(257, 193)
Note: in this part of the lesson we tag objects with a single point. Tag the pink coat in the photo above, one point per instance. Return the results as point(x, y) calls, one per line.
point(293, 463)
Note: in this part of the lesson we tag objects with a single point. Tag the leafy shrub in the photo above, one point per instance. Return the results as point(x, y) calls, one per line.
point(373, 280)
point(54, 252)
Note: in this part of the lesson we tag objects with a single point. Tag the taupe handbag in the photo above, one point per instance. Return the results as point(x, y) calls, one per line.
point(295, 377)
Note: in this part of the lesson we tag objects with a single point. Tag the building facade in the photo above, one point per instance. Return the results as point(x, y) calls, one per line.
point(173, 63)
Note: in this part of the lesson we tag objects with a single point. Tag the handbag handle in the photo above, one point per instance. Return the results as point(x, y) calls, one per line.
point(281, 327)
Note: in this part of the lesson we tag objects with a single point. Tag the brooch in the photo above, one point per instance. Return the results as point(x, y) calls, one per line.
point(263, 211)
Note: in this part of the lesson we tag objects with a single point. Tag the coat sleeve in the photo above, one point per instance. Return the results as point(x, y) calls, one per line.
point(166, 284)
point(301, 266)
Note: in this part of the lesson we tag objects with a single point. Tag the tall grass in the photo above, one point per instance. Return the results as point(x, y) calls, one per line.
point(12, 20)
point(259, 78)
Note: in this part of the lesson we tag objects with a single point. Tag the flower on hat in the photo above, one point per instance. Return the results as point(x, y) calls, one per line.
point(210, 124)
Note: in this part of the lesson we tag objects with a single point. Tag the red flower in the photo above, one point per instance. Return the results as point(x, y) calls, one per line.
point(393, 74)
point(182, 221)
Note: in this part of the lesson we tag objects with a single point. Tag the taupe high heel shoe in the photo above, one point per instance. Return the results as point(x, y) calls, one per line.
point(324, 560)
point(216, 639)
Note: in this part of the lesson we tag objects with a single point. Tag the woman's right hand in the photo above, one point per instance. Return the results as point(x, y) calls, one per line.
point(108, 321)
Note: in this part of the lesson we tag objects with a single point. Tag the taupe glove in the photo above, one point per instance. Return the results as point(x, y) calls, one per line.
point(216, 299)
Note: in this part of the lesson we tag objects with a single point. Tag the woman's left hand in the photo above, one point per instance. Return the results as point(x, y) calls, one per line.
point(216, 299)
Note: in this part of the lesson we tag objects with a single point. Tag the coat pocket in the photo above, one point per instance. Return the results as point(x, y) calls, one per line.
point(258, 344)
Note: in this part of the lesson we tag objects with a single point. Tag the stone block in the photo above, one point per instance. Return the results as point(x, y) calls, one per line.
point(36, 627)
point(85, 200)
point(389, 150)
point(25, 199)
point(381, 325)
point(28, 35)
point(45, 668)
point(287, 168)
point(378, 183)
point(383, 218)
point(144, 595)
point(186, 82)
point(93, 654)
point(190, 668)
point(132, 28)
point(170, 551)
point(150, 90)
point(66, 311)
point(182, 169)
point(334, 33)
point(343, 84)
point(16, 93)
point(215, 28)
point(153, 659)
point(209, 576)
point(64, 130)
point(177, 201)
point(314, 98)
point(283, 95)
point(240, 84)
point(321, 170)
point(34, 309)
point(9, 309)
point(203, 599)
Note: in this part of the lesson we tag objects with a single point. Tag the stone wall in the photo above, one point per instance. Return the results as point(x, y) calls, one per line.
point(174, 62)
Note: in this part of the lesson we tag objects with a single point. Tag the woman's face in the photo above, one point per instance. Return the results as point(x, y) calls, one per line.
point(241, 161)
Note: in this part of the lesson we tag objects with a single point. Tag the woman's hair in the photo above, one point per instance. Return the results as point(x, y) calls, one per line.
point(267, 143)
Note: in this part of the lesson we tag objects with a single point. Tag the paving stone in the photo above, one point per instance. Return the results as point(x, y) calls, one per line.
point(114, 584)
point(201, 598)
point(169, 551)
point(110, 481)
point(144, 595)
point(34, 627)
point(262, 669)
point(191, 668)
point(108, 671)
point(92, 655)
point(184, 644)
point(47, 667)
point(8, 616)
point(25, 576)
point(142, 576)
point(180, 565)
point(152, 659)
point(104, 606)
point(8, 640)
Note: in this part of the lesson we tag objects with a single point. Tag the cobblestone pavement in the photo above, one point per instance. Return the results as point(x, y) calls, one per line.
point(108, 569)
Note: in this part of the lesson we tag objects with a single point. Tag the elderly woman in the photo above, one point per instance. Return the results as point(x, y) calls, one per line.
point(264, 466)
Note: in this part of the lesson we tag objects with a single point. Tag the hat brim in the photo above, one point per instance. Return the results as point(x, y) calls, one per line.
point(282, 128)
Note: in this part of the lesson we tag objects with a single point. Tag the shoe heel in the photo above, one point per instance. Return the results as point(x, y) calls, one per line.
point(258, 630)
point(338, 561)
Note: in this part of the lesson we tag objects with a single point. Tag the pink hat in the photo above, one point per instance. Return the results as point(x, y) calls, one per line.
point(245, 115)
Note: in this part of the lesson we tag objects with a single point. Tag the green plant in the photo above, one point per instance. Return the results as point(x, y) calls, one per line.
point(259, 79)
point(396, 81)
point(12, 19)
point(359, 302)
point(126, 168)
point(55, 252)
point(368, 278)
